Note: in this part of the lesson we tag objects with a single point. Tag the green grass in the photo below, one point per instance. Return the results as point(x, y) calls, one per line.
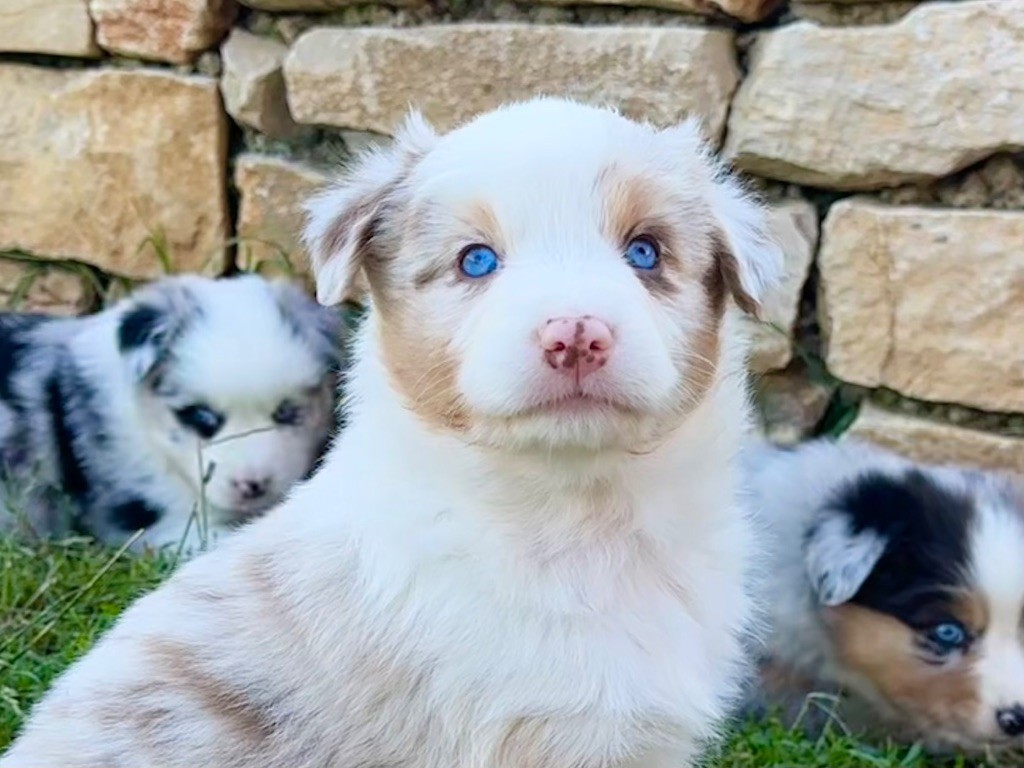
point(55, 601)
point(769, 744)
point(57, 598)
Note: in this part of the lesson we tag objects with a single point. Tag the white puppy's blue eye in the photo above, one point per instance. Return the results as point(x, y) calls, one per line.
point(642, 253)
point(948, 636)
point(478, 261)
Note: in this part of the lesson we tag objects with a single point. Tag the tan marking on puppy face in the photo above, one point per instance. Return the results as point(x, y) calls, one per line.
point(422, 370)
point(703, 358)
point(481, 218)
point(730, 271)
point(971, 610)
point(419, 365)
point(634, 207)
point(475, 224)
point(927, 696)
point(629, 203)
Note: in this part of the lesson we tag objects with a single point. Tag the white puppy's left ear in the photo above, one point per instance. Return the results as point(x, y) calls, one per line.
point(748, 255)
point(343, 220)
point(750, 260)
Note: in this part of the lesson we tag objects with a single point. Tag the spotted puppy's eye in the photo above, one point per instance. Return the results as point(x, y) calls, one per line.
point(948, 636)
point(643, 253)
point(287, 414)
point(201, 419)
point(478, 261)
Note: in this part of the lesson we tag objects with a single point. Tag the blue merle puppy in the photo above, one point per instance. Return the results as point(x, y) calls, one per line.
point(184, 409)
point(896, 585)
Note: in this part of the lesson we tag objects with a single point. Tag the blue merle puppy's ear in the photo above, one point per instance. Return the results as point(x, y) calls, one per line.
point(318, 327)
point(148, 327)
point(838, 559)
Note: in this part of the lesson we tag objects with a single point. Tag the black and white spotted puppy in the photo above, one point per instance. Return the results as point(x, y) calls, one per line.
point(899, 586)
point(189, 406)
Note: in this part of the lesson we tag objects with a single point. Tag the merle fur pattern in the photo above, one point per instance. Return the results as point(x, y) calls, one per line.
point(62, 447)
point(851, 524)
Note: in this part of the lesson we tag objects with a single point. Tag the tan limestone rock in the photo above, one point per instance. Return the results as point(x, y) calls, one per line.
point(35, 286)
point(927, 302)
point(100, 165)
point(270, 215)
point(272, 192)
point(60, 27)
point(319, 5)
point(937, 443)
point(794, 226)
point(253, 85)
point(744, 10)
point(874, 106)
point(367, 78)
point(176, 31)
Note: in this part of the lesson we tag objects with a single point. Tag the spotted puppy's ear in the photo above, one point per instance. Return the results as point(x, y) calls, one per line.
point(839, 559)
point(750, 259)
point(319, 328)
point(343, 219)
point(152, 321)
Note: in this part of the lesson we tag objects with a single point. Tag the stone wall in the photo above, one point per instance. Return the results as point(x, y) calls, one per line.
point(139, 137)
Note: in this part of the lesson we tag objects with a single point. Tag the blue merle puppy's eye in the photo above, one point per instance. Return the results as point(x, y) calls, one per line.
point(478, 261)
point(201, 419)
point(642, 253)
point(947, 636)
point(288, 414)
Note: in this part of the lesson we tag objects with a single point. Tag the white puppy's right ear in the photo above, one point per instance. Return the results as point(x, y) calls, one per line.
point(342, 219)
point(838, 559)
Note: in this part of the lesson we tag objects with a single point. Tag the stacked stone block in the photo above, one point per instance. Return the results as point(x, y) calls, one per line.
point(140, 136)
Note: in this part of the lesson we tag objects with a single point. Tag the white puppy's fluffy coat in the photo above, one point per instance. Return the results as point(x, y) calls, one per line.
point(503, 561)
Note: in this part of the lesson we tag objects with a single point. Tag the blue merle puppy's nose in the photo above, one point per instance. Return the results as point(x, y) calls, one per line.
point(252, 489)
point(1011, 720)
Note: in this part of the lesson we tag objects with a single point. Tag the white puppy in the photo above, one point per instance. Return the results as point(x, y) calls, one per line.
point(527, 548)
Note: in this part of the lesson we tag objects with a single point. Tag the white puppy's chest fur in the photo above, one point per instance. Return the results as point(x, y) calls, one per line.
point(406, 608)
point(582, 626)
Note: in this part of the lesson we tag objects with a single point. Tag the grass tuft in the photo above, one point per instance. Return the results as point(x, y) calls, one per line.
point(56, 599)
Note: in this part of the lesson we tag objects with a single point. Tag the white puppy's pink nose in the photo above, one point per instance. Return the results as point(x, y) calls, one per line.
point(576, 346)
